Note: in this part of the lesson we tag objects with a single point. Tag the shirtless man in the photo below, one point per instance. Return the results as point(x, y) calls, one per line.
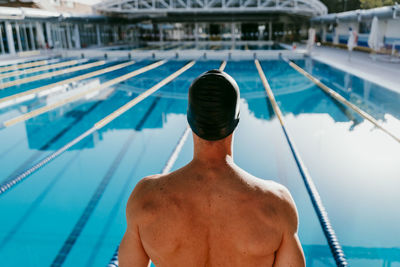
point(211, 212)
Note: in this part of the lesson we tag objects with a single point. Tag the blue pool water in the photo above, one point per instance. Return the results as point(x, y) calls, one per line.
point(82, 194)
point(200, 46)
point(31, 71)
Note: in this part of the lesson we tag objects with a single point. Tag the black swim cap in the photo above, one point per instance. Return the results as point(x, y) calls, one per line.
point(213, 110)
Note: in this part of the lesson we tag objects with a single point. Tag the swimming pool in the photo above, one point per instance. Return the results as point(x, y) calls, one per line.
point(71, 211)
point(200, 46)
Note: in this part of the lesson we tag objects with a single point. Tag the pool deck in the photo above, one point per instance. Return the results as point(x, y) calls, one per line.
point(380, 71)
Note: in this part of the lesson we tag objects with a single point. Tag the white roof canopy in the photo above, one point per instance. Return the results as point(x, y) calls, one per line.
point(164, 7)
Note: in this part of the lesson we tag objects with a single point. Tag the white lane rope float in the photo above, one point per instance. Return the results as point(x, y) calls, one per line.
point(51, 74)
point(78, 96)
point(341, 99)
point(25, 174)
point(41, 68)
point(16, 98)
point(24, 65)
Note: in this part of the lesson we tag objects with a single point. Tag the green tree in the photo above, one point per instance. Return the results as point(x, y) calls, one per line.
point(335, 6)
point(366, 4)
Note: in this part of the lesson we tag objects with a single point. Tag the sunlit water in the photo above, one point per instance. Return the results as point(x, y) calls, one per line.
point(355, 166)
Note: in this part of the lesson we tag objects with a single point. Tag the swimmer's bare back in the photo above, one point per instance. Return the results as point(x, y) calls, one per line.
point(209, 214)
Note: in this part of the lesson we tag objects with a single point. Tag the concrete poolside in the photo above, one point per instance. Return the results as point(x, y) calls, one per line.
point(380, 71)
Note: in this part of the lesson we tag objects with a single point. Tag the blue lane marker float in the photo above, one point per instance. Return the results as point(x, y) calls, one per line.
point(81, 223)
point(319, 208)
point(166, 169)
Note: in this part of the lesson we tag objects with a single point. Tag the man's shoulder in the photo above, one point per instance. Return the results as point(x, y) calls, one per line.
point(278, 197)
point(143, 194)
point(267, 187)
point(154, 187)
point(144, 185)
point(148, 182)
point(277, 190)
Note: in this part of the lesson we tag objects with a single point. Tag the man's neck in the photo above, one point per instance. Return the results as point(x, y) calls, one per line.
point(217, 160)
point(213, 152)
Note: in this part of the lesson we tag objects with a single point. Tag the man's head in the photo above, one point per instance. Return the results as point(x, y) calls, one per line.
point(213, 110)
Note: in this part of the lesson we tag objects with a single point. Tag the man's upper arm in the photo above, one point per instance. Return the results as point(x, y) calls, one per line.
point(131, 252)
point(290, 252)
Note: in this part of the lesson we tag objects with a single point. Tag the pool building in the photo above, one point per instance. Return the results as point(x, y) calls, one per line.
point(94, 97)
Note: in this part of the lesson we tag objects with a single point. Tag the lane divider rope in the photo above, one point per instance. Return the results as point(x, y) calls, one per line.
point(174, 155)
point(62, 102)
point(142, 96)
point(37, 69)
point(223, 65)
point(341, 99)
point(51, 74)
point(319, 208)
point(98, 193)
point(24, 65)
point(125, 188)
point(37, 91)
point(42, 149)
point(166, 169)
point(19, 178)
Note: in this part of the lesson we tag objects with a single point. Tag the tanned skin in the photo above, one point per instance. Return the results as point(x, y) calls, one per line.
point(210, 213)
